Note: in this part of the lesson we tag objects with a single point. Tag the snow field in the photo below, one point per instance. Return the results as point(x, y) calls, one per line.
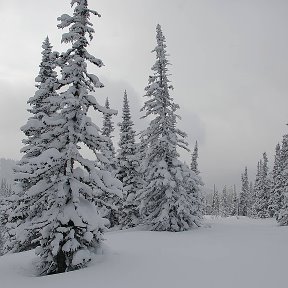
point(229, 252)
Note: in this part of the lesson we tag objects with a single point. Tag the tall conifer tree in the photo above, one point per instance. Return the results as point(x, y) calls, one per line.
point(224, 205)
point(108, 149)
point(111, 209)
point(171, 199)
point(250, 200)
point(195, 169)
point(70, 186)
point(215, 203)
point(244, 194)
point(282, 216)
point(21, 207)
point(276, 198)
point(262, 190)
point(128, 164)
point(194, 160)
point(234, 204)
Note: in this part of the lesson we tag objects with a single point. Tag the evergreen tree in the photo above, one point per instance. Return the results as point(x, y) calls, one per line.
point(244, 194)
point(194, 162)
point(234, 204)
point(128, 164)
point(283, 213)
point(194, 168)
point(70, 186)
point(42, 105)
point(266, 184)
point(215, 203)
point(208, 205)
point(276, 199)
point(224, 205)
point(171, 199)
point(262, 190)
point(141, 147)
point(250, 200)
point(257, 188)
point(109, 150)
point(111, 210)
point(127, 145)
point(229, 200)
point(5, 192)
point(282, 216)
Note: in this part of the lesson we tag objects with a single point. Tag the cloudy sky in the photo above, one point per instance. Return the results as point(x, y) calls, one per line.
point(229, 70)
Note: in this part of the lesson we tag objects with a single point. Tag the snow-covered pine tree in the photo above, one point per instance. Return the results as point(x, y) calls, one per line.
point(127, 141)
point(107, 130)
point(276, 199)
point(224, 205)
point(71, 229)
point(112, 210)
point(250, 200)
point(257, 188)
point(208, 203)
point(283, 213)
point(266, 185)
point(141, 149)
point(262, 190)
point(5, 192)
point(21, 206)
point(194, 168)
point(234, 203)
point(244, 194)
point(44, 103)
point(128, 172)
point(282, 216)
point(229, 199)
point(171, 199)
point(215, 203)
point(194, 159)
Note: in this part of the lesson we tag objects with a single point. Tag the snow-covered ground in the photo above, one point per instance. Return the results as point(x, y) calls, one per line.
point(228, 253)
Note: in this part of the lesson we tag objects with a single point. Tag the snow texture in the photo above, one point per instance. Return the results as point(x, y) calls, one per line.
point(231, 253)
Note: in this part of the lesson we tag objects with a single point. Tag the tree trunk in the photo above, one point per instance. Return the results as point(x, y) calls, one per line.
point(61, 263)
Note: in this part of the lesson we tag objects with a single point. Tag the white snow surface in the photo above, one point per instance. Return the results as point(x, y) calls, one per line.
point(228, 252)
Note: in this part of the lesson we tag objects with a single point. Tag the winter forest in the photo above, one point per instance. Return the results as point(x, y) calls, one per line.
point(118, 201)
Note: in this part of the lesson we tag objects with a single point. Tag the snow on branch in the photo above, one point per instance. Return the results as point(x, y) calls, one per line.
point(93, 102)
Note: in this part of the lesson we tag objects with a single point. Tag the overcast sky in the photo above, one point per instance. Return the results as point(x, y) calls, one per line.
point(229, 70)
